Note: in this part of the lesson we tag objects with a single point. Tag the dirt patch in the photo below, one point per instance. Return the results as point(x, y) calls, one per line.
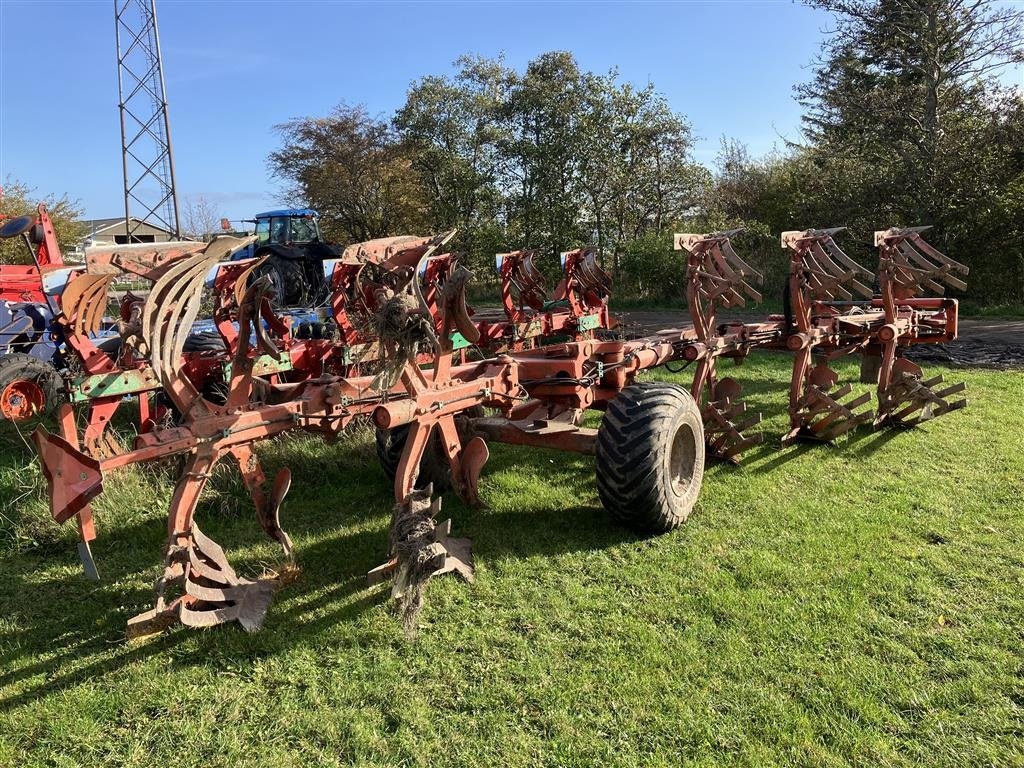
point(983, 342)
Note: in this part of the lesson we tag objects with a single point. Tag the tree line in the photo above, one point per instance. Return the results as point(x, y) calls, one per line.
point(904, 123)
point(18, 199)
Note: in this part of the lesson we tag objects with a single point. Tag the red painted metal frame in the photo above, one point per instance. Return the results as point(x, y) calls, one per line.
point(23, 282)
point(540, 391)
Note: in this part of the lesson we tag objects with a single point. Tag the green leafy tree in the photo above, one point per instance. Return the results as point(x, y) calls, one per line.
point(552, 158)
point(355, 170)
point(19, 199)
point(454, 129)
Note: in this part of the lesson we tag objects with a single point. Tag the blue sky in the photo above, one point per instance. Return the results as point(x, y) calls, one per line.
point(235, 69)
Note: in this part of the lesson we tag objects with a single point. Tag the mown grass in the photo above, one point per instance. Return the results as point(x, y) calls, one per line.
point(860, 605)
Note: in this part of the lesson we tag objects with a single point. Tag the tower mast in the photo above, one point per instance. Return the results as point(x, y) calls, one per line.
point(150, 194)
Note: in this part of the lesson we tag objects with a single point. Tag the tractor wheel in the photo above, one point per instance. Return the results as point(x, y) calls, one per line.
point(650, 456)
point(29, 388)
point(434, 466)
point(287, 279)
point(204, 341)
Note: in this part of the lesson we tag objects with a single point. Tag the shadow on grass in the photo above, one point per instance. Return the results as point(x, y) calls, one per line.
point(67, 631)
point(80, 654)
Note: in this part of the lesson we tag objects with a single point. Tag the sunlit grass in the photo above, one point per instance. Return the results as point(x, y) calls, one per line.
point(858, 604)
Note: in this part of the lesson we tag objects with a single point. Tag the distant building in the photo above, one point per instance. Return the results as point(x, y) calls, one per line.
point(114, 231)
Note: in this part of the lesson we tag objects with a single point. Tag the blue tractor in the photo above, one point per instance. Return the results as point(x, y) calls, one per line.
point(291, 240)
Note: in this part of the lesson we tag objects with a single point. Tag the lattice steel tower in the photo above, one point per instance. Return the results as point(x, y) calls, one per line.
point(149, 190)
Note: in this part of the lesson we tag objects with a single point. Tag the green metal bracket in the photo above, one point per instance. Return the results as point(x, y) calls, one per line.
point(114, 384)
point(459, 341)
point(265, 365)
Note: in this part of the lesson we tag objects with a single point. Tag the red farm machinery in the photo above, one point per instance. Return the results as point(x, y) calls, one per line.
point(440, 381)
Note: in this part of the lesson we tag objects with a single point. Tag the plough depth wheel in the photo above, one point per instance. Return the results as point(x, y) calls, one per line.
point(434, 469)
point(650, 456)
point(434, 466)
point(29, 387)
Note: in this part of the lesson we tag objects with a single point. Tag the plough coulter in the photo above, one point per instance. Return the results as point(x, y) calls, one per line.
point(441, 381)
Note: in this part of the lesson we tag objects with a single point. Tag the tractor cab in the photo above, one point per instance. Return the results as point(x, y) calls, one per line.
point(293, 249)
point(292, 226)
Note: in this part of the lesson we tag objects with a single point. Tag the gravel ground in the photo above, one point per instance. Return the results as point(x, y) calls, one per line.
point(983, 342)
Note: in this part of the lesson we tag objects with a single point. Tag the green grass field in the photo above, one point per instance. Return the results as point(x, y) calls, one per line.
point(860, 604)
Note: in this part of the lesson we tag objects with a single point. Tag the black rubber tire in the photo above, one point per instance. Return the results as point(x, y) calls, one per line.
point(650, 456)
point(434, 466)
point(204, 341)
point(216, 391)
point(18, 365)
point(288, 281)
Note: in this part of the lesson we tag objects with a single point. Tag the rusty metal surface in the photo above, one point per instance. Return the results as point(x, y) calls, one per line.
point(142, 259)
point(411, 298)
point(717, 278)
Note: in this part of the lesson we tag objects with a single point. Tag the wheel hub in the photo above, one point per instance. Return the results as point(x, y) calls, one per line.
point(682, 458)
point(21, 399)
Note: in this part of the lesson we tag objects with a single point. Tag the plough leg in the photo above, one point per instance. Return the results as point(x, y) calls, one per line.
point(723, 429)
point(906, 398)
point(84, 518)
point(98, 441)
point(211, 592)
point(817, 411)
point(268, 509)
point(420, 547)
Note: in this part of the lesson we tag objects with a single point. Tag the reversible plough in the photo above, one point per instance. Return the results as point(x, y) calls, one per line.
point(442, 381)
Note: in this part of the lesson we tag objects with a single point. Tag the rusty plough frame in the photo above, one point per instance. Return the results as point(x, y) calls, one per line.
point(402, 300)
point(361, 280)
point(107, 377)
point(832, 312)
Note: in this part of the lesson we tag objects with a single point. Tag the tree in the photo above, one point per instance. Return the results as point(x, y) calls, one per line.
point(19, 199)
point(200, 218)
point(355, 170)
point(454, 129)
point(907, 125)
point(552, 158)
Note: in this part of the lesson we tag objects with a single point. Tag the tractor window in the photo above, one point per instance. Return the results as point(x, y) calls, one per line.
point(303, 230)
point(279, 229)
point(262, 231)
